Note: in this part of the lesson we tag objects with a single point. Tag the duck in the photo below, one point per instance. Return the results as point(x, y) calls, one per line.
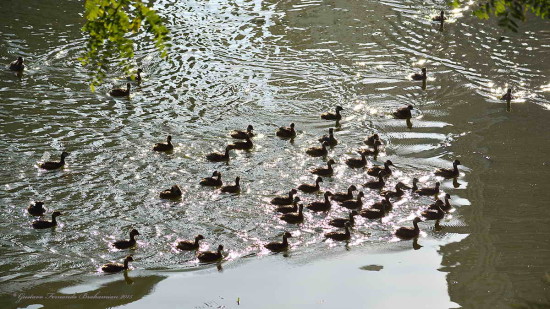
point(218, 156)
point(294, 217)
point(36, 208)
point(125, 244)
point(172, 193)
point(433, 214)
point(341, 222)
point(329, 138)
point(344, 196)
point(284, 200)
point(449, 172)
point(17, 65)
point(354, 203)
point(409, 232)
point(429, 191)
point(340, 236)
point(53, 165)
point(243, 145)
point(318, 151)
point(385, 170)
point(356, 162)
point(240, 134)
point(394, 194)
point(232, 188)
point(384, 204)
point(279, 246)
point(369, 141)
point(321, 206)
point(373, 213)
point(210, 256)
point(507, 96)
point(379, 184)
point(403, 112)
point(190, 245)
point(308, 188)
point(44, 224)
point(441, 17)
point(324, 171)
point(333, 116)
point(164, 146)
point(211, 181)
point(287, 209)
point(371, 152)
point(119, 92)
point(444, 206)
point(137, 77)
point(419, 76)
point(286, 132)
point(117, 267)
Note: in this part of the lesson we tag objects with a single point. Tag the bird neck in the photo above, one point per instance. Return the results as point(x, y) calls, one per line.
point(196, 241)
point(132, 237)
point(348, 233)
point(285, 240)
point(416, 228)
point(447, 202)
point(351, 219)
point(125, 263)
point(54, 220)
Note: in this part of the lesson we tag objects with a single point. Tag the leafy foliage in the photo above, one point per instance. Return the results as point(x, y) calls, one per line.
point(509, 12)
point(109, 26)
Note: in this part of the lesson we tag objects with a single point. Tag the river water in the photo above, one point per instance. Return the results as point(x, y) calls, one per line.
point(269, 64)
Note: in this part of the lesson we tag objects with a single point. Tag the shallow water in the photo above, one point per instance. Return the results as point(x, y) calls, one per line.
point(270, 64)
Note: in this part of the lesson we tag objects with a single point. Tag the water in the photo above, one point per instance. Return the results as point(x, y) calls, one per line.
point(270, 64)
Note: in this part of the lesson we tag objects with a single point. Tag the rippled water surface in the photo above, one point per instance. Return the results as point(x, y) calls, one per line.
point(269, 64)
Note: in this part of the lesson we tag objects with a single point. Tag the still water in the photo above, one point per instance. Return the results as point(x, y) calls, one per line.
point(269, 64)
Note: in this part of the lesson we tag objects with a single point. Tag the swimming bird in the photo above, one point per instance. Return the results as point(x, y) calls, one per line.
point(444, 206)
point(284, 200)
point(333, 116)
point(211, 181)
point(279, 246)
point(218, 156)
point(356, 162)
point(373, 213)
point(341, 222)
point(190, 245)
point(211, 256)
point(287, 209)
point(324, 171)
point(164, 146)
point(419, 76)
point(240, 134)
point(119, 92)
point(385, 170)
point(232, 188)
point(403, 112)
point(329, 138)
point(433, 214)
point(44, 224)
point(125, 244)
point(441, 17)
point(52, 165)
point(294, 217)
point(36, 208)
point(371, 139)
point(343, 196)
point(429, 191)
point(17, 65)
point(321, 206)
point(507, 96)
point(286, 132)
point(449, 172)
point(318, 151)
point(340, 236)
point(393, 194)
point(117, 267)
point(308, 188)
point(408, 232)
point(172, 193)
point(371, 152)
point(379, 184)
point(384, 204)
point(243, 145)
point(354, 203)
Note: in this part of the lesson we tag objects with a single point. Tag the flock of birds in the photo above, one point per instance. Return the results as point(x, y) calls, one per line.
point(289, 205)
